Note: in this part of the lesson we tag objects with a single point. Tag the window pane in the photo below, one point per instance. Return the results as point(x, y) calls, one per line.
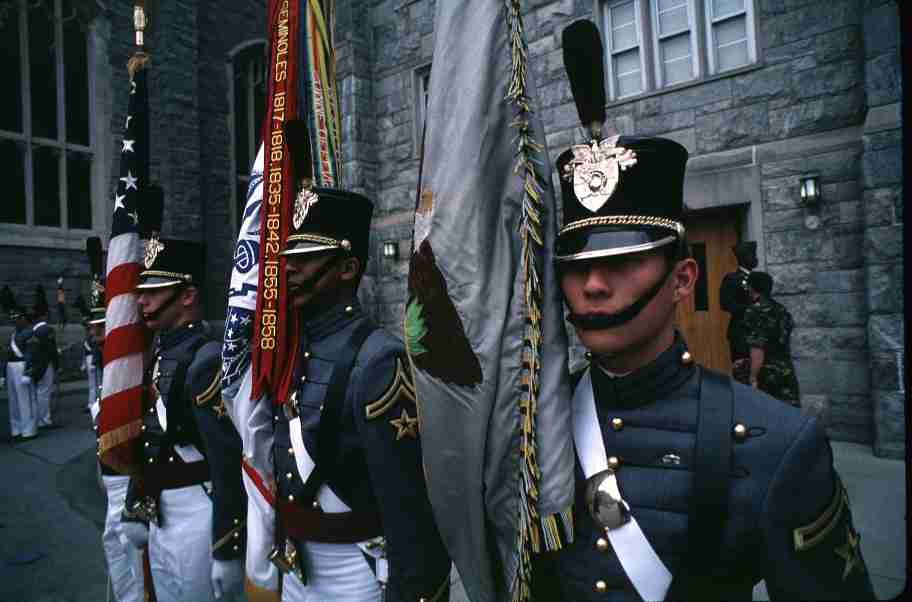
point(673, 20)
point(623, 14)
point(259, 101)
point(731, 30)
point(623, 37)
point(43, 71)
point(12, 207)
point(629, 84)
point(627, 62)
point(720, 8)
point(623, 26)
point(676, 47)
point(76, 77)
point(11, 98)
point(79, 190)
point(46, 179)
point(669, 4)
point(242, 157)
point(676, 59)
point(733, 55)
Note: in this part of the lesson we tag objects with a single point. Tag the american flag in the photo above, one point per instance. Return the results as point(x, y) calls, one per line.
point(125, 334)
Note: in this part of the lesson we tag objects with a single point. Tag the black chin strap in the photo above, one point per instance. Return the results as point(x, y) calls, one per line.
point(313, 280)
point(154, 315)
point(602, 321)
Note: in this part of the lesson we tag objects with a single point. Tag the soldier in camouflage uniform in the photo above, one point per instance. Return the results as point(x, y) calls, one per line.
point(734, 298)
point(767, 330)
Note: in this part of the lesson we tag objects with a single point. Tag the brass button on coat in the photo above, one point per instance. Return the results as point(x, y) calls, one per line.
point(614, 461)
point(601, 587)
point(740, 432)
point(601, 544)
point(617, 423)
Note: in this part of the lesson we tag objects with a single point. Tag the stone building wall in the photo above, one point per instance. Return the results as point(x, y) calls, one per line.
point(821, 99)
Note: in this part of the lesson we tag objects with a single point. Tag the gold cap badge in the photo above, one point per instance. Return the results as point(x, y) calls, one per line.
point(152, 249)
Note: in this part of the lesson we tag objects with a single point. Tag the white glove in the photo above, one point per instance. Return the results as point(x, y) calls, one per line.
point(25, 380)
point(134, 534)
point(227, 577)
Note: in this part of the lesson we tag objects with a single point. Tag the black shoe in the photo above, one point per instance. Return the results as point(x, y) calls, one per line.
point(24, 438)
point(51, 426)
point(16, 438)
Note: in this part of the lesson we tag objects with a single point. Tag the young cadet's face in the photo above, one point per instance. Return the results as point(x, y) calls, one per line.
point(609, 285)
point(158, 310)
point(302, 288)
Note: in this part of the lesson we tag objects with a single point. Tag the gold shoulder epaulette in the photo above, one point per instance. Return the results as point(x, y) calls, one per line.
point(400, 386)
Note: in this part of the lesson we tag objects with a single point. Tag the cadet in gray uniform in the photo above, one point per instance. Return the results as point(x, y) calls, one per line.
point(189, 492)
point(355, 523)
point(19, 387)
point(690, 485)
point(41, 366)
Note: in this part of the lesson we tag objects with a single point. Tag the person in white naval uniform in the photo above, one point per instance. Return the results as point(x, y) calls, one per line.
point(19, 387)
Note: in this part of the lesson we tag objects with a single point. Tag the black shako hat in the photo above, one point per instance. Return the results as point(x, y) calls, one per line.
point(622, 194)
point(166, 262)
point(171, 262)
point(323, 219)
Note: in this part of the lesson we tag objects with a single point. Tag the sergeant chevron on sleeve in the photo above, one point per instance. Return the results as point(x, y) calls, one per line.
point(689, 485)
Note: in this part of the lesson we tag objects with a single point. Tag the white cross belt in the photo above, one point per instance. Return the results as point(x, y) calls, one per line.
point(643, 566)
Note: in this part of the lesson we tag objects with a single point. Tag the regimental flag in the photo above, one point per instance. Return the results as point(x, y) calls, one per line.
point(484, 322)
point(260, 335)
point(125, 334)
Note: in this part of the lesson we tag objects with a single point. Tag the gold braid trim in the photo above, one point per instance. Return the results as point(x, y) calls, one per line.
point(438, 595)
point(323, 240)
point(400, 386)
point(557, 529)
point(213, 388)
point(164, 274)
point(810, 535)
point(624, 220)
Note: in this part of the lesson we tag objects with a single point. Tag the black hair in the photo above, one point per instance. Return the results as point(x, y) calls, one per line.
point(761, 282)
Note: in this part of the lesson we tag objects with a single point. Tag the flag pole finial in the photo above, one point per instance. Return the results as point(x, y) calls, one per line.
point(139, 22)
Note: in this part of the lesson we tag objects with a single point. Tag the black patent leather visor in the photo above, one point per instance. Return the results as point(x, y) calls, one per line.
point(606, 241)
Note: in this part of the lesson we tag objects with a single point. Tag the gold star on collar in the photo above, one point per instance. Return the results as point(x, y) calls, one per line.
point(405, 426)
point(849, 551)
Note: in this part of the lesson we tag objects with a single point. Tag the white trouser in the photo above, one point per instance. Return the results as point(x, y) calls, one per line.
point(335, 571)
point(21, 401)
point(90, 374)
point(44, 391)
point(124, 561)
point(179, 550)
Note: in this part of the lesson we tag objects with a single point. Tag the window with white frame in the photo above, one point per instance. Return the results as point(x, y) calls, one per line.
point(249, 93)
point(422, 87)
point(46, 146)
point(652, 44)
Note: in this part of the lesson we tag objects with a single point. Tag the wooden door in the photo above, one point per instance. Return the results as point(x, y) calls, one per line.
point(711, 234)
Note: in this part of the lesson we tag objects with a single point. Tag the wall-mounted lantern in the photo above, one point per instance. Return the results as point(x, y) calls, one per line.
point(810, 190)
point(390, 249)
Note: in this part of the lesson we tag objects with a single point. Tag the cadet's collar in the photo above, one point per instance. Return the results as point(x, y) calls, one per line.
point(655, 380)
point(332, 320)
point(169, 338)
